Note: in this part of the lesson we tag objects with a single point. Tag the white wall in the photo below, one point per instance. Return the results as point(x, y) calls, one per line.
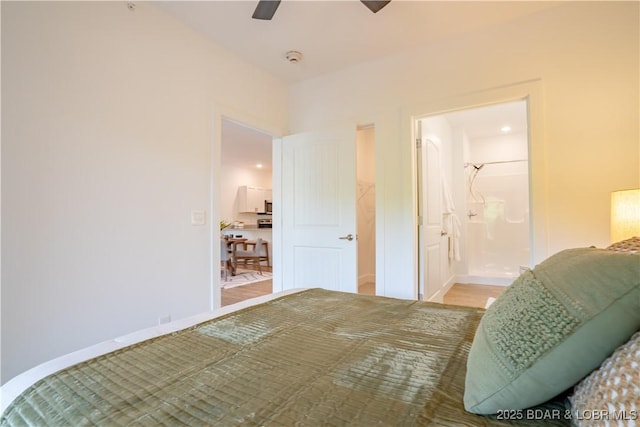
point(110, 127)
point(585, 56)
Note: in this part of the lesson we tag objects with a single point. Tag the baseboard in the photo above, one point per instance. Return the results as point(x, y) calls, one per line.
point(482, 280)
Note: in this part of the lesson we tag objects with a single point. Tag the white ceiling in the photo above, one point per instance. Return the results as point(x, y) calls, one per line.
point(335, 34)
point(332, 35)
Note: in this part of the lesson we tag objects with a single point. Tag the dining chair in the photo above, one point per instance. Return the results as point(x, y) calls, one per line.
point(225, 258)
point(254, 252)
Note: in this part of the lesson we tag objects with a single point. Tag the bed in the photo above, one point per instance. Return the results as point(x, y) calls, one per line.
point(304, 357)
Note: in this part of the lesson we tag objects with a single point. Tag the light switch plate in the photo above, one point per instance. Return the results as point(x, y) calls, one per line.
point(198, 217)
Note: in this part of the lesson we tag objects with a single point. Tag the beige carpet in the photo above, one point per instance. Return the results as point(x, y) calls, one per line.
point(244, 277)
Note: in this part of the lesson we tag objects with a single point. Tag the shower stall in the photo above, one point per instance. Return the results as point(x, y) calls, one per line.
point(497, 217)
point(494, 193)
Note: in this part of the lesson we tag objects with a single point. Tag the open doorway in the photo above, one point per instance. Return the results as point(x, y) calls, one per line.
point(485, 219)
point(245, 212)
point(366, 209)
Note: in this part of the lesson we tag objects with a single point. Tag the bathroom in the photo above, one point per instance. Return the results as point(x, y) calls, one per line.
point(485, 163)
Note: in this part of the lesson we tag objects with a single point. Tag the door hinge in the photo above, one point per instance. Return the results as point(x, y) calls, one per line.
point(418, 142)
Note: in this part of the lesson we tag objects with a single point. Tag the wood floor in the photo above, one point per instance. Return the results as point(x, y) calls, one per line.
point(459, 294)
point(241, 293)
point(472, 295)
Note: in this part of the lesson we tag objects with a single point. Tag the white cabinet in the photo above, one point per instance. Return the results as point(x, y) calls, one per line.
point(251, 199)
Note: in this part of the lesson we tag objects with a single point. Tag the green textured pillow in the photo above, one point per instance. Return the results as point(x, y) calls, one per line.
point(551, 327)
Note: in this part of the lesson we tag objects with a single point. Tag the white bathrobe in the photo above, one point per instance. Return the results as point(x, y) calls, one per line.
point(451, 222)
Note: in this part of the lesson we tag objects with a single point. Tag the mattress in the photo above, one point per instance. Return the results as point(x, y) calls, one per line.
point(314, 357)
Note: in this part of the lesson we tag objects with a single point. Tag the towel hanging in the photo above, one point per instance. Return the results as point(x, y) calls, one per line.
point(450, 221)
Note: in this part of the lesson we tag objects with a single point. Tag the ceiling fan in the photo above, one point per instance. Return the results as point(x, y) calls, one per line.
point(267, 8)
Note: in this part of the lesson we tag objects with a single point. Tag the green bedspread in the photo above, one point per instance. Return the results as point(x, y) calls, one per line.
point(312, 358)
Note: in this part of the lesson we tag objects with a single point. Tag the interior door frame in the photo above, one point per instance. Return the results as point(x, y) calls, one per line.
point(219, 114)
point(532, 92)
point(419, 195)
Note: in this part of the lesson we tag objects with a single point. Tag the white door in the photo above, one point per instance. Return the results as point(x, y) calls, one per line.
point(319, 210)
point(430, 217)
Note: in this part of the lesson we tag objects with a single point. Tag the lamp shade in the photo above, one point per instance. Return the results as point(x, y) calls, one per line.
point(625, 214)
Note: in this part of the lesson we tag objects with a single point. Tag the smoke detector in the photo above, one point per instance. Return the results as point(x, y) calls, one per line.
point(293, 56)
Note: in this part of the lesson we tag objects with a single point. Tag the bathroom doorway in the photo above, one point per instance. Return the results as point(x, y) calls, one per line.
point(485, 167)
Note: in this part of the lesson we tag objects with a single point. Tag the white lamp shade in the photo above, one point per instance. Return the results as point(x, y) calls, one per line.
point(625, 214)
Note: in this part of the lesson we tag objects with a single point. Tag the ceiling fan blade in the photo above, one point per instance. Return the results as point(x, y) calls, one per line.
point(266, 9)
point(374, 6)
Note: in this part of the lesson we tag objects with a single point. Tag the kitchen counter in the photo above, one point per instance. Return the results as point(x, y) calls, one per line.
point(246, 227)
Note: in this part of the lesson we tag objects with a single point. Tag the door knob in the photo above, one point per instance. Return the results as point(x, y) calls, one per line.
point(348, 237)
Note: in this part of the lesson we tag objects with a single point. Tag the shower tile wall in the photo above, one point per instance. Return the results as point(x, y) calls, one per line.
point(497, 210)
